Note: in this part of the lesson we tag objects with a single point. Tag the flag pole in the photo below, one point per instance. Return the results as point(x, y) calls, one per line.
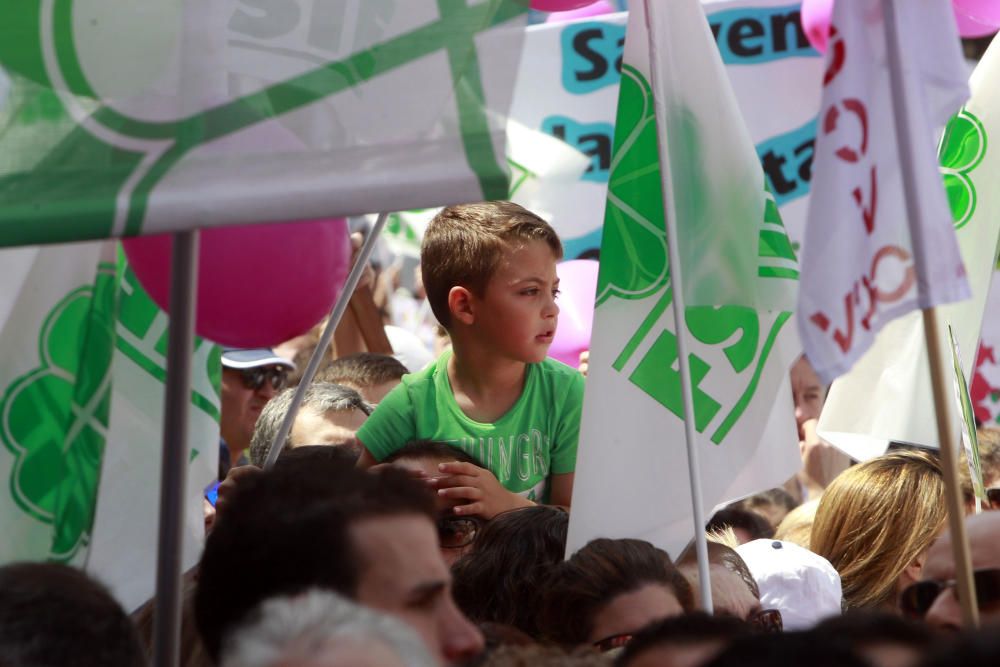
point(324, 340)
point(680, 326)
point(942, 404)
point(173, 468)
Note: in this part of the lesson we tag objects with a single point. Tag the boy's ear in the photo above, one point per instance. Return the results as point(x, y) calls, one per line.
point(460, 303)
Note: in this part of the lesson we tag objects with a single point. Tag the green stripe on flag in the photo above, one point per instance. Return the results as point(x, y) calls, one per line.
point(777, 272)
point(775, 244)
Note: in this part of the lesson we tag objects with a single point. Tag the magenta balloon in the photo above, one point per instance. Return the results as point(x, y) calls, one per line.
point(578, 288)
point(558, 5)
point(816, 17)
point(597, 9)
point(971, 28)
point(258, 285)
point(983, 12)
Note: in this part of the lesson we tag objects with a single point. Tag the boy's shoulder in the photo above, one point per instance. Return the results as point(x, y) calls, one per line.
point(558, 380)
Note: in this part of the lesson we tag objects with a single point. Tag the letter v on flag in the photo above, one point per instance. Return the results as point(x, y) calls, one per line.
point(863, 264)
point(632, 474)
point(887, 395)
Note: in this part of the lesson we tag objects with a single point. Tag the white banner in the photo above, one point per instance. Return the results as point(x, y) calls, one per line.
point(139, 118)
point(866, 260)
point(81, 401)
point(887, 395)
point(632, 473)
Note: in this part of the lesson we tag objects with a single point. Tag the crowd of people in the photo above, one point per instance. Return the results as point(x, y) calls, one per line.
point(419, 516)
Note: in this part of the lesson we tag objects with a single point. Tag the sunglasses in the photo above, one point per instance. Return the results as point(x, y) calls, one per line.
point(768, 621)
point(254, 378)
point(457, 532)
point(917, 599)
point(612, 642)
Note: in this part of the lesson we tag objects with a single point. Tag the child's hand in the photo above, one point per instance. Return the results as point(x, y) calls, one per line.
point(477, 489)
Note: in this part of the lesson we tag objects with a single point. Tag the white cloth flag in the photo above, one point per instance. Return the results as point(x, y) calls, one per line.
point(632, 473)
point(863, 264)
point(887, 395)
point(81, 402)
point(128, 118)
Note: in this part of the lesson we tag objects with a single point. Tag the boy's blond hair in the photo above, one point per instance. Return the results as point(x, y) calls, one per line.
point(463, 246)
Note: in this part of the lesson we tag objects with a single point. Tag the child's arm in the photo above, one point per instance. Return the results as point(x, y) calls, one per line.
point(483, 493)
point(562, 489)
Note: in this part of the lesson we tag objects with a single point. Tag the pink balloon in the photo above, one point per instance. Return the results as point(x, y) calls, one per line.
point(970, 27)
point(597, 9)
point(578, 288)
point(983, 12)
point(558, 5)
point(258, 285)
point(816, 17)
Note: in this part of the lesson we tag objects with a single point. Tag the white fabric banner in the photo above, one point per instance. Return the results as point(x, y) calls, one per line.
point(887, 395)
point(864, 263)
point(632, 472)
point(172, 115)
point(81, 401)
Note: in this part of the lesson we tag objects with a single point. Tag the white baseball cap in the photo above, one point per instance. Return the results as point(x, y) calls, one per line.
point(801, 584)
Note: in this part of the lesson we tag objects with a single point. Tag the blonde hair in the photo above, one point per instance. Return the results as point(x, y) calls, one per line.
point(875, 519)
point(797, 525)
point(463, 245)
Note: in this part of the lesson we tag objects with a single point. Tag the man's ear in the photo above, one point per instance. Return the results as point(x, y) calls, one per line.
point(461, 305)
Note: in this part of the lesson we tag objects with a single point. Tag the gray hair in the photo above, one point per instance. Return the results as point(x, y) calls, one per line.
point(320, 397)
point(303, 626)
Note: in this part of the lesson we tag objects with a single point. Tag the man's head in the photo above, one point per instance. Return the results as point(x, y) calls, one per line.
point(330, 415)
point(250, 378)
point(456, 534)
point(934, 596)
point(56, 615)
point(464, 246)
point(609, 589)
point(808, 393)
point(682, 641)
point(322, 628)
point(368, 536)
point(371, 375)
point(734, 590)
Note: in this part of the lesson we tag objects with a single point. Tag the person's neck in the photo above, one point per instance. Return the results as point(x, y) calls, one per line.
point(235, 445)
point(484, 386)
point(480, 372)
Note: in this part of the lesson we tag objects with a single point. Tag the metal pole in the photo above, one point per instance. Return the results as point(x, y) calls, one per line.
point(183, 283)
point(324, 341)
point(939, 376)
point(676, 285)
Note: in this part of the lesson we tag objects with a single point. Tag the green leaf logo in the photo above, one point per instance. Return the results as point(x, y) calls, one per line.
point(963, 147)
point(634, 247)
point(54, 418)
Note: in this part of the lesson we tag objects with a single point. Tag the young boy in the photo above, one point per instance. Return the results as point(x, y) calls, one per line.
point(489, 270)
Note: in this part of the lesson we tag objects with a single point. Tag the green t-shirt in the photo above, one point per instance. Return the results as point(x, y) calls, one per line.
point(537, 436)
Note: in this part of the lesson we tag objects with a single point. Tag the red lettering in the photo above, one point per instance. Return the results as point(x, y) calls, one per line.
point(868, 286)
point(832, 118)
point(838, 54)
point(868, 212)
point(909, 276)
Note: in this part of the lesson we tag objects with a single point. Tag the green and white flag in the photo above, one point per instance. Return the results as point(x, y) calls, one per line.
point(887, 394)
point(82, 367)
point(632, 472)
point(119, 119)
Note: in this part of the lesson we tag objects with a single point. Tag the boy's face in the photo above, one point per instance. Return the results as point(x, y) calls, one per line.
point(517, 314)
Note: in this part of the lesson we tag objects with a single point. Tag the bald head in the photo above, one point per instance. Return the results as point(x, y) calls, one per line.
point(984, 544)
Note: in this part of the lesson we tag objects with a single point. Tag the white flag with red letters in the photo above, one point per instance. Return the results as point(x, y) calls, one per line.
point(864, 264)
